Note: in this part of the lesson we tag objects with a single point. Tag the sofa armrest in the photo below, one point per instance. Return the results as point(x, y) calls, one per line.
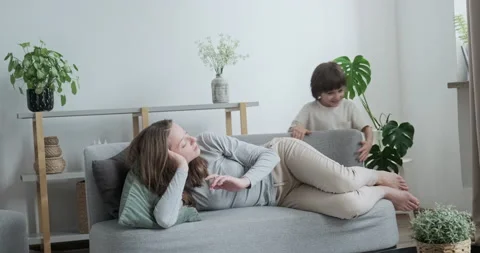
point(13, 232)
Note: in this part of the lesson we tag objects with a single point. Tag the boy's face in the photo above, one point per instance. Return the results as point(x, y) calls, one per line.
point(332, 98)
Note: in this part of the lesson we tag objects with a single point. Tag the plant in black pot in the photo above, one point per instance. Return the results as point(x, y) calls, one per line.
point(44, 72)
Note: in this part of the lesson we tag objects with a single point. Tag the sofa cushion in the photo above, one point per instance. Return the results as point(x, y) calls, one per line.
point(256, 230)
point(137, 206)
point(109, 177)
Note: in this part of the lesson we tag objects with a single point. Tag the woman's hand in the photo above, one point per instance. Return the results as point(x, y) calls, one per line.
point(299, 132)
point(227, 183)
point(180, 160)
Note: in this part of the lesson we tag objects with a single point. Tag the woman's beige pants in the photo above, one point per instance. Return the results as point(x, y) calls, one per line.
point(308, 180)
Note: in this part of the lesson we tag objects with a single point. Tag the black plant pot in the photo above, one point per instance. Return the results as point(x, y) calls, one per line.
point(40, 102)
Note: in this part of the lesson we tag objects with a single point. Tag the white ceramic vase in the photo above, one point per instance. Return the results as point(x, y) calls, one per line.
point(220, 91)
point(377, 138)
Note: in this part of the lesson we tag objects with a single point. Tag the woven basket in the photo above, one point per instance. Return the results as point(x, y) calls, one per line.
point(50, 140)
point(53, 165)
point(52, 151)
point(464, 247)
point(82, 208)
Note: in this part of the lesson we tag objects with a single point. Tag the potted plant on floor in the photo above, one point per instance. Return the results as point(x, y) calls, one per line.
point(217, 57)
point(44, 72)
point(443, 229)
point(391, 139)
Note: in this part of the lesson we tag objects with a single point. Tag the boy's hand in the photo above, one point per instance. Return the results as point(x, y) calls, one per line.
point(299, 132)
point(364, 150)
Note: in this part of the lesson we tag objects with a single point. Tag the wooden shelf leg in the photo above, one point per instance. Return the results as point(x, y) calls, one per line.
point(243, 118)
point(144, 117)
point(136, 126)
point(42, 192)
point(228, 121)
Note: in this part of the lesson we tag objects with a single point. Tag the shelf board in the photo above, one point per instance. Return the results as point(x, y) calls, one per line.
point(53, 177)
point(100, 112)
point(55, 237)
point(457, 85)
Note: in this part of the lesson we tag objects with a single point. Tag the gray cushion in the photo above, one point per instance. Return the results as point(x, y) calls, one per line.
point(255, 230)
point(109, 177)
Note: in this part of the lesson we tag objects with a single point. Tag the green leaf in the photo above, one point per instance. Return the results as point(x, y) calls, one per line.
point(74, 88)
point(21, 90)
point(18, 72)
point(386, 159)
point(40, 74)
point(12, 79)
point(398, 136)
point(75, 67)
point(357, 73)
point(11, 65)
point(59, 89)
point(25, 44)
point(8, 56)
point(63, 99)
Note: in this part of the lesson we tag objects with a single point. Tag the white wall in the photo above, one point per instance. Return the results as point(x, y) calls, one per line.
point(133, 54)
point(427, 59)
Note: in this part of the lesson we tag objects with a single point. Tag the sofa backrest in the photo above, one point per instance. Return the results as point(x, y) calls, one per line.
point(339, 145)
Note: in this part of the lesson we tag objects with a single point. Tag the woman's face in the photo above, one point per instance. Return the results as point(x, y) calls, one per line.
point(180, 142)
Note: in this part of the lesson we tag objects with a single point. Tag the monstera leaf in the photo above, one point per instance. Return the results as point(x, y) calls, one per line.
point(397, 136)
point(358, 74)
point(386, 159)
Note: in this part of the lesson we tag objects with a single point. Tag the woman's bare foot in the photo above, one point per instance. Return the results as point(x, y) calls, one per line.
point(392, 180)
point(402, 200)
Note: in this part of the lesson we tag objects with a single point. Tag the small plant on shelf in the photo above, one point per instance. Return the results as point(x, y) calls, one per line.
point(43, 71)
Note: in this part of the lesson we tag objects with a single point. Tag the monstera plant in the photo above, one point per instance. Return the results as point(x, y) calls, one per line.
point(396, 138)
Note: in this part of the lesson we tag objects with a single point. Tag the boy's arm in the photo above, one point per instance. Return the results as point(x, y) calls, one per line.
point(359, 123)
point(367, 131)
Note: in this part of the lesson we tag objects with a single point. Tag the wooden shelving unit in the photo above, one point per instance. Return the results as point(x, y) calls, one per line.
point(140, 120)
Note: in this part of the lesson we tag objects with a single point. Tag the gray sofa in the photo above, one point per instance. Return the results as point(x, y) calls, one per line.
point(13, 232)
point(253, 229)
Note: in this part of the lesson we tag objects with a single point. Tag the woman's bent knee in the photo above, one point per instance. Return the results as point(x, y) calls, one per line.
point(352, 206)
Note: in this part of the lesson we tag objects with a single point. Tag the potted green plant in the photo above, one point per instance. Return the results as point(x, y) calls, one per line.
point(443, 229)
point(391, 139)
point(44, 72)
point(217, 57)
point(461, 28)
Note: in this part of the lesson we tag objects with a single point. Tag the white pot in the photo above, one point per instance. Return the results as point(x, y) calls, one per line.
point(377, 138)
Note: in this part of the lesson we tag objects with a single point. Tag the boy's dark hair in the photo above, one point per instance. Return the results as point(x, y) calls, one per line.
point(326, 77)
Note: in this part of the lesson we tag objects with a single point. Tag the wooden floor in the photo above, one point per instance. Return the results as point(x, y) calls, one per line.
point(403, 221)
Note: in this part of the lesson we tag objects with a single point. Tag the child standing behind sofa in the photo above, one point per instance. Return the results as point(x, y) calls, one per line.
point(330, 110)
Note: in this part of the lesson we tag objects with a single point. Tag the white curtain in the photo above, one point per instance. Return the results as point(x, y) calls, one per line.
point(473, 16)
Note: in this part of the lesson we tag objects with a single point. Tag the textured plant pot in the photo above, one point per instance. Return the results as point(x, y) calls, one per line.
point(40, 102)
point(220, 91)
point(460, 247)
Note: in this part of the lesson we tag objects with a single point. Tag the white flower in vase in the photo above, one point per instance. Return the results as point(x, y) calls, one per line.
point(216, 58)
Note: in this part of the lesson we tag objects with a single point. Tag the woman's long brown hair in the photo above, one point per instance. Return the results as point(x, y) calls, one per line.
point(148, 156)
